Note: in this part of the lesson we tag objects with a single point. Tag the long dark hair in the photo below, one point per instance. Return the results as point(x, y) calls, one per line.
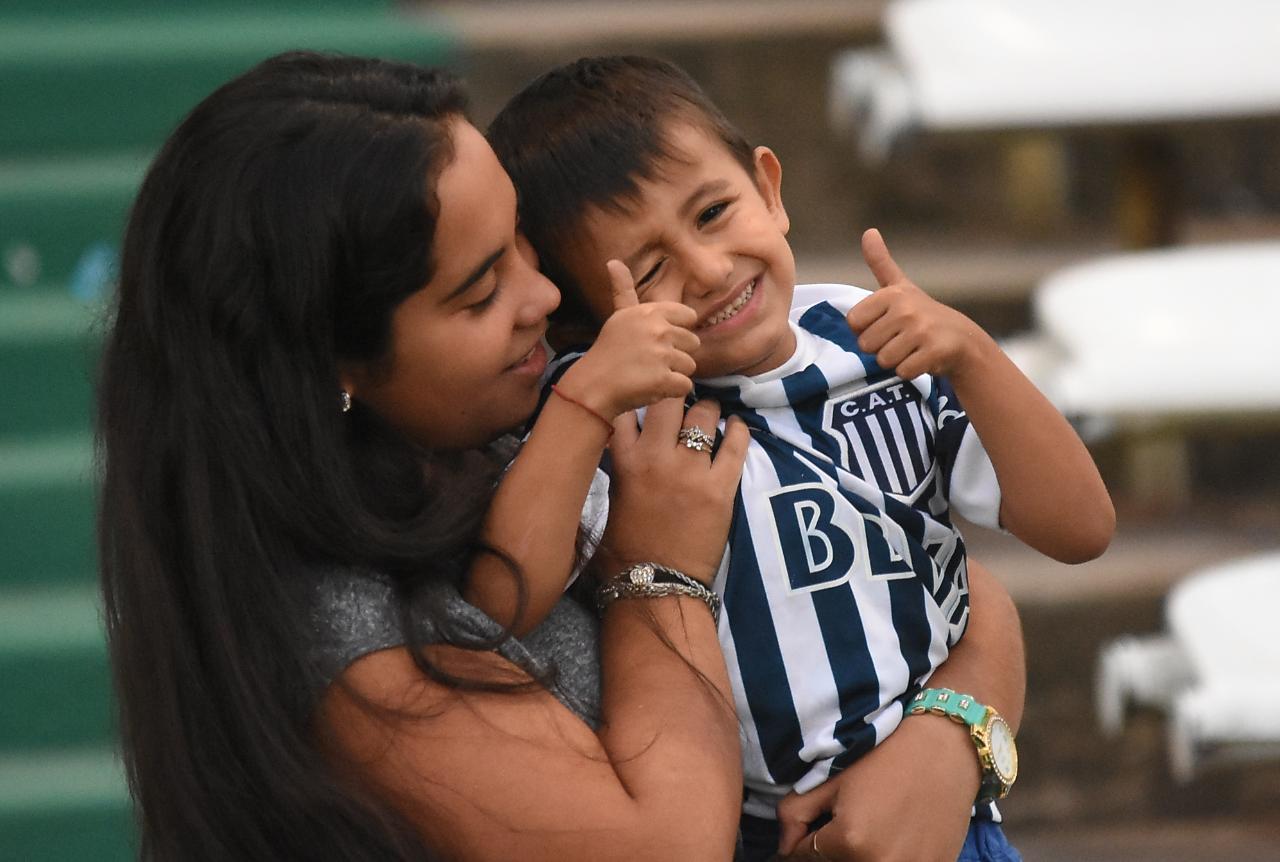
point(274, 235)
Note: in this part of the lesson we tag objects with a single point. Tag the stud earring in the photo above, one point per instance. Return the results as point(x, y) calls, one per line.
point(346, 401)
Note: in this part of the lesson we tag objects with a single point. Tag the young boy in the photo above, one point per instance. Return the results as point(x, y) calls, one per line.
point(844, 583)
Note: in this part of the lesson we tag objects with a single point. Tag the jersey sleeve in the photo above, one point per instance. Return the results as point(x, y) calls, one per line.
point(556, 368)
point(968, 477)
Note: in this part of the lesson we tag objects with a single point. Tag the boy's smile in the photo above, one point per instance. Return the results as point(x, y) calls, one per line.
point(704, 232)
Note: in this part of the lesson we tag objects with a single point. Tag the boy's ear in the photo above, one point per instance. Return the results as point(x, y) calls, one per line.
point(769, 184)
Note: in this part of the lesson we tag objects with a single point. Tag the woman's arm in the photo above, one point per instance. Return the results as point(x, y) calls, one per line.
point(909, 798)
point(516, 776)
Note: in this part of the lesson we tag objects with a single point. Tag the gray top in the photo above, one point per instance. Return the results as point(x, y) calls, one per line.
point(356, 613)
point(353, 613)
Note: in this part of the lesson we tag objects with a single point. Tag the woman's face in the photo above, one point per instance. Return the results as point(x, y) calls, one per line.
point(466, 350)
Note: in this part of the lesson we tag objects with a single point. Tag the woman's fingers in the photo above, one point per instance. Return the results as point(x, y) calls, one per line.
point(732, 453)
point(662, 421)
point(705, 413)
point(796, 812)
point(698, 433)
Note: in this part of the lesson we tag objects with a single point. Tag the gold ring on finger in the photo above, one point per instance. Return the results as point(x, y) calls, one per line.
point(814, 846)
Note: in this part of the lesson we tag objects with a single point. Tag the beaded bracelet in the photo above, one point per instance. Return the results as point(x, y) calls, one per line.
point(653, 581)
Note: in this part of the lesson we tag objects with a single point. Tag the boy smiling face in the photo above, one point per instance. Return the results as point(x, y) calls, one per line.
point(704, 232)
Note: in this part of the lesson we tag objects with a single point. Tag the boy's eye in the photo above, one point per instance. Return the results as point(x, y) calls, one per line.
point(648, 277)
point(712, 213)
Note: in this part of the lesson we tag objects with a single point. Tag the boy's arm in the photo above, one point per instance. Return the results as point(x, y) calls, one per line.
point(909, 798)
point(534, 516)
point(1052, 497)
point(640, 356)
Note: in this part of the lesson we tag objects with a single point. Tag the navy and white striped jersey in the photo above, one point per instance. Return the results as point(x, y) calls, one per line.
point(844, 583)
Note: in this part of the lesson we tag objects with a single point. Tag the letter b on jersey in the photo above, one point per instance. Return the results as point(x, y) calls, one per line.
point(816, 548)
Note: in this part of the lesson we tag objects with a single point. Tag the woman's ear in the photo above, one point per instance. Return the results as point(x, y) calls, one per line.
point(769, 184)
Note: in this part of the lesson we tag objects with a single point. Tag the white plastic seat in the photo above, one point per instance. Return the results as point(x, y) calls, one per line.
point(1170, 332)
point(1153, 342)
point(1214, 673)
point(1018, 64)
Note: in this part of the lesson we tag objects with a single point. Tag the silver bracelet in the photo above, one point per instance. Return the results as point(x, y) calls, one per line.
point(653, 581)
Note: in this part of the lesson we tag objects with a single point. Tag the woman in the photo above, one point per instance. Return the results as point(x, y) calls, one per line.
point(326, 327)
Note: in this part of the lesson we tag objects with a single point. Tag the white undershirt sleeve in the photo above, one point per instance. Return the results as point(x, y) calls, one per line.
point(975, 493)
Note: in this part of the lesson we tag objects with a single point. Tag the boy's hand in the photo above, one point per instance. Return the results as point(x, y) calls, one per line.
point(904, 327)
point(641, 355)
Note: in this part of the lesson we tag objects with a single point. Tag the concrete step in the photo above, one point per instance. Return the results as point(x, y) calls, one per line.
point(65, 806)
point(110, 81)
point(54, 664)
point(47, 511)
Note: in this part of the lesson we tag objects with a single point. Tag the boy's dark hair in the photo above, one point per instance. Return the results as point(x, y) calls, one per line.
point(582, 135)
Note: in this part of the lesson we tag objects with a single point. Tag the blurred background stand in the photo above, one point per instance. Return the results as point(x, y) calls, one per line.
point(1147, 347)
point(1022, 67)
point(1155, 345)
point(1212, 672)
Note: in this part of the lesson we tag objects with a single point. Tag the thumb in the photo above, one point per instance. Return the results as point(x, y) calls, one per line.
point(878, 259)
point(797, 811)
point(625, 432)
point(624, 286)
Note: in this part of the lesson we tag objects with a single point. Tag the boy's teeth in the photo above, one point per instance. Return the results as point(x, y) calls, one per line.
point(730, 310)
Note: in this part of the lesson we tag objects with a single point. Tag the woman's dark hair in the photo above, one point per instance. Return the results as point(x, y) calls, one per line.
point(273, 237)
point(582, 135)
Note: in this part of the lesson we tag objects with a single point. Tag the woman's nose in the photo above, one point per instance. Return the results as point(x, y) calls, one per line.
point(538, 299)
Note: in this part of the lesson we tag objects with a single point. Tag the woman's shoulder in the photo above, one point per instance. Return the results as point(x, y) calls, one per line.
point(354, 612)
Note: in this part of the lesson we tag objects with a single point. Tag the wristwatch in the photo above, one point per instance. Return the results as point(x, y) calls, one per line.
point(991, 734)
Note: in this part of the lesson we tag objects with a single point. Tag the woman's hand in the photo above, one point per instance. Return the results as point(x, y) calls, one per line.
point(662, 779)
point(670, 503)
point(909, 798)
point(906, 801)
point(642, 354)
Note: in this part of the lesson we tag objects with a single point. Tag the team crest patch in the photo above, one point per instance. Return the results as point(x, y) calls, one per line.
point(885, 434)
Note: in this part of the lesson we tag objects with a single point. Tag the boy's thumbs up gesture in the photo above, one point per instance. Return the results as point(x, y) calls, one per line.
point(642, 354)
point(904, 327)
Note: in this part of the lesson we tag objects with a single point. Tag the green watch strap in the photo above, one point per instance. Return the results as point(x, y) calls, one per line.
point(958, 707)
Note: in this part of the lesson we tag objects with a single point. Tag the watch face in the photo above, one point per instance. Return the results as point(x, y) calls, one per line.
point(1003, 752)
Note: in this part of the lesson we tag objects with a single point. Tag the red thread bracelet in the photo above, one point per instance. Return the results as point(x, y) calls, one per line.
point(556, 389)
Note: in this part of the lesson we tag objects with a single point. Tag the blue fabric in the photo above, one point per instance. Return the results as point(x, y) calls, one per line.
point(986, 842)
